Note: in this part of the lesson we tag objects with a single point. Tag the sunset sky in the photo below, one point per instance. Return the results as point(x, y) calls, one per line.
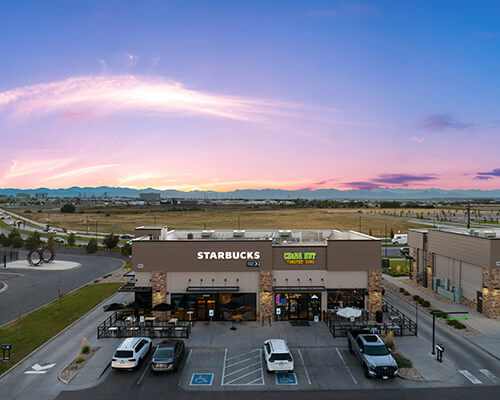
point(230, 95)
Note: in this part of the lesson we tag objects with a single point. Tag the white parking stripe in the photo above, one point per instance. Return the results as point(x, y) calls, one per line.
point(490, 375)
point(242, 376)
point(224, 367)
point(243, 354)
point(241, 369)
point(239, 362)
point(305, 368)
point(470, 377)
point(346, 366)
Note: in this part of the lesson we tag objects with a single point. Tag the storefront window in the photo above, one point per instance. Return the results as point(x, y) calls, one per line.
point(339, 298)
point(300, 306)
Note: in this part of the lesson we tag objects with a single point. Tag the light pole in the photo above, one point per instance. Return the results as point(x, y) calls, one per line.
point(434, 313)
point(96, 229)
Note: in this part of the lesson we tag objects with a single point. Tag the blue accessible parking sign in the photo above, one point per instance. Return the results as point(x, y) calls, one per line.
point(201, 379)
point(286, 379)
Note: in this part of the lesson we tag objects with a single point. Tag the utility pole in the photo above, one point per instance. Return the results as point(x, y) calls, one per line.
point(468, 214)
point(385, 239)
point(95, 229)
point(360, 224)
point(87, 224)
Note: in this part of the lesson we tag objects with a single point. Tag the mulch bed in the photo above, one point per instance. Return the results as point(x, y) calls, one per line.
point(72, 369)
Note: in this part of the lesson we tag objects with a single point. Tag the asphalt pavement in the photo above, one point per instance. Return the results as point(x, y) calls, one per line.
point(30, 289)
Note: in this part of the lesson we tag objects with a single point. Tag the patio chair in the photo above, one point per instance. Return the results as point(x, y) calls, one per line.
point(246, 316)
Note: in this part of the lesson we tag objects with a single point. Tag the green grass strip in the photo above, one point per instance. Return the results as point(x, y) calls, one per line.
point(41, 325)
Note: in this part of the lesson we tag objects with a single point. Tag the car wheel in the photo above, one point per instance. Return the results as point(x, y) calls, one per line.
point(365, 370)
point(350, 347)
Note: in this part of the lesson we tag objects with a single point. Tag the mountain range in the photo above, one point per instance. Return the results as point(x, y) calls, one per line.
point(279, 194)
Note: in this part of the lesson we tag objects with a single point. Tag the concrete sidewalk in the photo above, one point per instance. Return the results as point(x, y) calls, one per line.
point(488, 337)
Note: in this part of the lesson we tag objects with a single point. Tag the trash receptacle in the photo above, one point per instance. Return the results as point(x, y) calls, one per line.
point(379, 316)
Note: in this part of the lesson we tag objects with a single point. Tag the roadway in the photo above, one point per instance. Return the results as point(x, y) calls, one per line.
point(30, 289)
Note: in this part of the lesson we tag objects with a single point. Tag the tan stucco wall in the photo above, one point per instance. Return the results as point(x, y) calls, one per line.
point(143, 279)
point(279, 278)
point(347, 279)
point(354, 255)
point(177, 282)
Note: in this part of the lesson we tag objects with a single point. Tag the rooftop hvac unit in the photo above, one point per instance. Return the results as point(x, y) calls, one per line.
point(207, 234)
point(190, 235)
point(285, 234)
point(238, 234)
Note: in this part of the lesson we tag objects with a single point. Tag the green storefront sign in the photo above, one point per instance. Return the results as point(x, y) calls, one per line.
point(300, 257)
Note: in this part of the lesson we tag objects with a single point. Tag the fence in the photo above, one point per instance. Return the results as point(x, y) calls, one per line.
point(8, 255)
point(116, 327)
point(393, 320)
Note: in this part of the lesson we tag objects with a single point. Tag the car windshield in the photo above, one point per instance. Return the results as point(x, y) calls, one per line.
point(280, 356)
point(376, 350)
point(123, 354)
point(163, 354)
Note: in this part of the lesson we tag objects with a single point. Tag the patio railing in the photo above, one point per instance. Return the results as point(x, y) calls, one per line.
point(116, 327)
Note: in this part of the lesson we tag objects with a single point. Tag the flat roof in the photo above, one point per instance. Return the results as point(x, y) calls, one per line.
point(483, 233)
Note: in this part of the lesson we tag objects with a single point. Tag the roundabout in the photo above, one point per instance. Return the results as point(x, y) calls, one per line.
point(57, 265)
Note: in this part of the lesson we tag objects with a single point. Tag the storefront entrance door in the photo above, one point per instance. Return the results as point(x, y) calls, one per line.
point(298, 307)
point(203, 307)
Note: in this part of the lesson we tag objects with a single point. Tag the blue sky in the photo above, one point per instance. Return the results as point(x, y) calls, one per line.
point(345, 91)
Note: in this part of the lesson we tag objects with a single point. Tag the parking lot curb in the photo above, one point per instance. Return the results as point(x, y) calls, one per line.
point(57, 334)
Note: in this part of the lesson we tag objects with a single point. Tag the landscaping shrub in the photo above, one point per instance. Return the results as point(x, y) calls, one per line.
point(426, 303)
point(71, 239)
point(85, 346)
point(402, 290)
point(403, 362)
point(455, 324)
point(388, 338)
point(68, 208)
point(17, 242)
point(92, 246)
point(79, 359)
point(416, 297)
point(126, 249)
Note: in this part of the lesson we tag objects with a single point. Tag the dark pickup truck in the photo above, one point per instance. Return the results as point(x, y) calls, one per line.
point(373, 354)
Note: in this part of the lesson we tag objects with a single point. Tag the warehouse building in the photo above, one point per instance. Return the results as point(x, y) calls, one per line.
point(462, 265)
point(287, 274)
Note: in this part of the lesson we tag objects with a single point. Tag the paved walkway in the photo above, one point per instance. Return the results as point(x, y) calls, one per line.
point(489, 329)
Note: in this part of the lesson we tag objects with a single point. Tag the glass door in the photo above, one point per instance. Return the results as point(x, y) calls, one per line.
point(201, 309)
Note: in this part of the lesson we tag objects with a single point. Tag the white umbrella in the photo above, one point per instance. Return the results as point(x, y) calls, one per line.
point(349, 312)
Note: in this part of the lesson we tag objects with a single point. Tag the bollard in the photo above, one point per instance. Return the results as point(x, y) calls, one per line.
point(440, 350)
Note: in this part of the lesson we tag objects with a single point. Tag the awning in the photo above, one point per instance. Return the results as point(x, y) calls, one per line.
point(213, 289)
point(299, 288)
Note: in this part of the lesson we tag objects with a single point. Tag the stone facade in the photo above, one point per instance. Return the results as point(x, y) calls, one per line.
point(159, 292)
point(414, 271)
point(374, 292)
point(491, 292)
point(266, 307)
point(430, 269)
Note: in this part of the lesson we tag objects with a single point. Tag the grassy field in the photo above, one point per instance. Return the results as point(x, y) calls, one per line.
point(121, 220)
point(398, 267)
point(40, 325)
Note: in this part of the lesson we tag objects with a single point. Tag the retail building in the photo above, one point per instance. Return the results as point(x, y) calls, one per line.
point(462, 265)
point(295, 274)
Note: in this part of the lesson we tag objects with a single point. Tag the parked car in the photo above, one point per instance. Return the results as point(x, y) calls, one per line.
point(51, 231)
point(278, 356)
point(126, 236)
point(58, 240)
point(131, 353)
point(372, 353)
point(167, 356)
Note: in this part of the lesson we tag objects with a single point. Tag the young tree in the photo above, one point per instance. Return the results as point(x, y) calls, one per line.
point(50, 241)
point(17, 242)
point(4, 240)
point(92, 246)
point(71, 239)
point(111, 241)
point(392, 232)
point(126, 249)
point(33, 241)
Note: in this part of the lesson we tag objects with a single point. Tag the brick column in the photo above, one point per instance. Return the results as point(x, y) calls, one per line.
point(265, 294)
point(415, 255)
point(159, 287)
point(430, 270)
point(374, 292)
point(491, 292)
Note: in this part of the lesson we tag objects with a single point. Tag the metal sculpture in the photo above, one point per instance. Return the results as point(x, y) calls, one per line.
point(41, 251)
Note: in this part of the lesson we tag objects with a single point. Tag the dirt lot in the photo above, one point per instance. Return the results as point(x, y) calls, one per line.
point(121, 220)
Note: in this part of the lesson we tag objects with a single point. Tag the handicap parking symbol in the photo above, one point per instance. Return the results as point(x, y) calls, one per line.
point(201, 379)
point(286, 379)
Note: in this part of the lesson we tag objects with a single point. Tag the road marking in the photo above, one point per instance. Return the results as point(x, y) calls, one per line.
point(35, 372)
point(305, 368)
point(5, 286)
point(243, 376)
point(224, 366)
point(346, 366)
point(490, 375)
point(241, 369)
point(189, 356)
point(243, 354)
point(239, 362)
point(469, 376)
point(39, 369)
point(288, 378)
point(139, 381)
point(203, 379)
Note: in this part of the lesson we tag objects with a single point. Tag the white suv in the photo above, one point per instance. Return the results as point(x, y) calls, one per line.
point(277, 356)
point(131, 352)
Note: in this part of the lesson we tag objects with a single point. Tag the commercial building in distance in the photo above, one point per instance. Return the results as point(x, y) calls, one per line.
point(295, 274)
point(462, 265)
point(150, 197)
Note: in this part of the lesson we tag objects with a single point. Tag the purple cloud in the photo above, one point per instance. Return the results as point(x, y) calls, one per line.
point(488, 175)
point(325, 181)
point(443, 122)
point(402, 179)
point(363, 185)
